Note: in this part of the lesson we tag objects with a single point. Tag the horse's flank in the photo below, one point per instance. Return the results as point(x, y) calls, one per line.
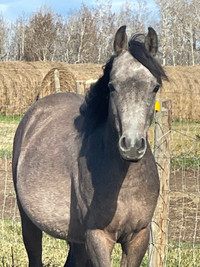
point(54, 155)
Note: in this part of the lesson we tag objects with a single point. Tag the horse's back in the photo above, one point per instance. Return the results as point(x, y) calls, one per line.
point(45, 153)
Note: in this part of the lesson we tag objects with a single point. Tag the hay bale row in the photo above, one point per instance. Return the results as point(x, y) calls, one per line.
point(22, 82)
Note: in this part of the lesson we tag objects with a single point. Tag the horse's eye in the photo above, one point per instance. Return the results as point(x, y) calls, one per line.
point(111, 87)
point(156, 88)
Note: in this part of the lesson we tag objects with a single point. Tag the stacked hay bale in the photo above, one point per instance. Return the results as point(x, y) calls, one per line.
point(18, 81)
point(183, 89)
point(21, 83)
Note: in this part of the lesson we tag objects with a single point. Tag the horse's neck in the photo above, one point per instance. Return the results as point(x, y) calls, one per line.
point(102, 148)
point(111, 150)
point(111, 139)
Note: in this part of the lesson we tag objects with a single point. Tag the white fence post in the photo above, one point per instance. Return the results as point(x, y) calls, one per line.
point(57, 80)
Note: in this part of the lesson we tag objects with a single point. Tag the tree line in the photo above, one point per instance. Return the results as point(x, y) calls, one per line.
point(86, 35)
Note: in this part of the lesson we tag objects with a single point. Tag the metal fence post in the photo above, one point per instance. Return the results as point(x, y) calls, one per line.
point(159, 227)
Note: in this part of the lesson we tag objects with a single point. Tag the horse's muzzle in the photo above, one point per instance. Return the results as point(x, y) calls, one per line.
point(132, 151)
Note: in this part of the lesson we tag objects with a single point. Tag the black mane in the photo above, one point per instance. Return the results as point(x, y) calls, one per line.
point(138, 50)
point(95, 107)
point(94, 110)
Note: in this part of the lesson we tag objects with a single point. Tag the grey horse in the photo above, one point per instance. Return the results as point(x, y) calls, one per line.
point(83, 169)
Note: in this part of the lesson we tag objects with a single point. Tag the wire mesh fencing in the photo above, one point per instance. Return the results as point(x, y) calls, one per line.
point(183, 212)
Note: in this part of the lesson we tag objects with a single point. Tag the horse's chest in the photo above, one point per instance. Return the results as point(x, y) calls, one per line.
point(134, 210)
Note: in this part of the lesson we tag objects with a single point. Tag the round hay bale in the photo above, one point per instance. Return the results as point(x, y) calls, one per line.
point(20, 83)
point(57, 80)
point(183, 89)
point(86, 71)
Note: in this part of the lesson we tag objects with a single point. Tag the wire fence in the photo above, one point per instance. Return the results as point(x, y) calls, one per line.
point(183, 214)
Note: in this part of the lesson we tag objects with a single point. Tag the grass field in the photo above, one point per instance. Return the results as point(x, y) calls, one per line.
point(14, 253)
point(8, 126)
point(55, 251)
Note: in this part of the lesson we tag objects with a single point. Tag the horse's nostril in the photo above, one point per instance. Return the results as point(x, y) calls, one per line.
point(141, 145)
point(124, 143)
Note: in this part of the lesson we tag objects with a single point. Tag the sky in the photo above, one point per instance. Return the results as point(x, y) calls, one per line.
point(13, 9)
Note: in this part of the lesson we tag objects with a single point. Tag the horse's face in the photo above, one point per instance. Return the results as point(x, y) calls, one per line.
point(132, 98)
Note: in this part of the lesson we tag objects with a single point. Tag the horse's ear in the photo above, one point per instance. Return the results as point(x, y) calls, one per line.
point(120, 42)
point(151, 41)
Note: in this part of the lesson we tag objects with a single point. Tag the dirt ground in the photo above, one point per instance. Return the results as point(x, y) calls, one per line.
point(184, 208)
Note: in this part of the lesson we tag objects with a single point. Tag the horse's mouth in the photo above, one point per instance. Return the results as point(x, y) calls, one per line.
point(132, 153)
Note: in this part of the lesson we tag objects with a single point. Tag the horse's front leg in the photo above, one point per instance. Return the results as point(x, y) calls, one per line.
point(77, 256)
point(134, 250)
point(99, 247)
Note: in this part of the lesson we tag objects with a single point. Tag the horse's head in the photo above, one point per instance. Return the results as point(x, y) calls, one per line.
point(135, 79)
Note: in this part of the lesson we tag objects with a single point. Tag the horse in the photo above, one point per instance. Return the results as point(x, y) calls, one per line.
point(83, 168)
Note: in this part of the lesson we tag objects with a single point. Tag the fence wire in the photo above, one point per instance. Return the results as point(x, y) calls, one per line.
point(183, 248)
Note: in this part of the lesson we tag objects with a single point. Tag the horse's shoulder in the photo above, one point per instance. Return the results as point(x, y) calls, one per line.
point(54, 106)
point(53, 114)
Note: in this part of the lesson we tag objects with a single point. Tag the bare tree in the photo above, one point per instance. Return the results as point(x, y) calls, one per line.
point(4, 39)
point(180, 28)
point(41, 36)
point(135, 15)
point(80, 36)
point(105, 25)
point(86, 34)
point(17, 39)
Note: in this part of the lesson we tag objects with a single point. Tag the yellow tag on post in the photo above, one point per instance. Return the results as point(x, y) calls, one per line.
point(157, 106)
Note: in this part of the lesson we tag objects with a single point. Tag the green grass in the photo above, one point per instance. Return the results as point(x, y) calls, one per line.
point(184, 121)
point(11, 119)
point(185, 162)
point(185, 139)
point(8, 126)
point(12, 251)
point(6, 153)
point(184, 144)
point(183, 254)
